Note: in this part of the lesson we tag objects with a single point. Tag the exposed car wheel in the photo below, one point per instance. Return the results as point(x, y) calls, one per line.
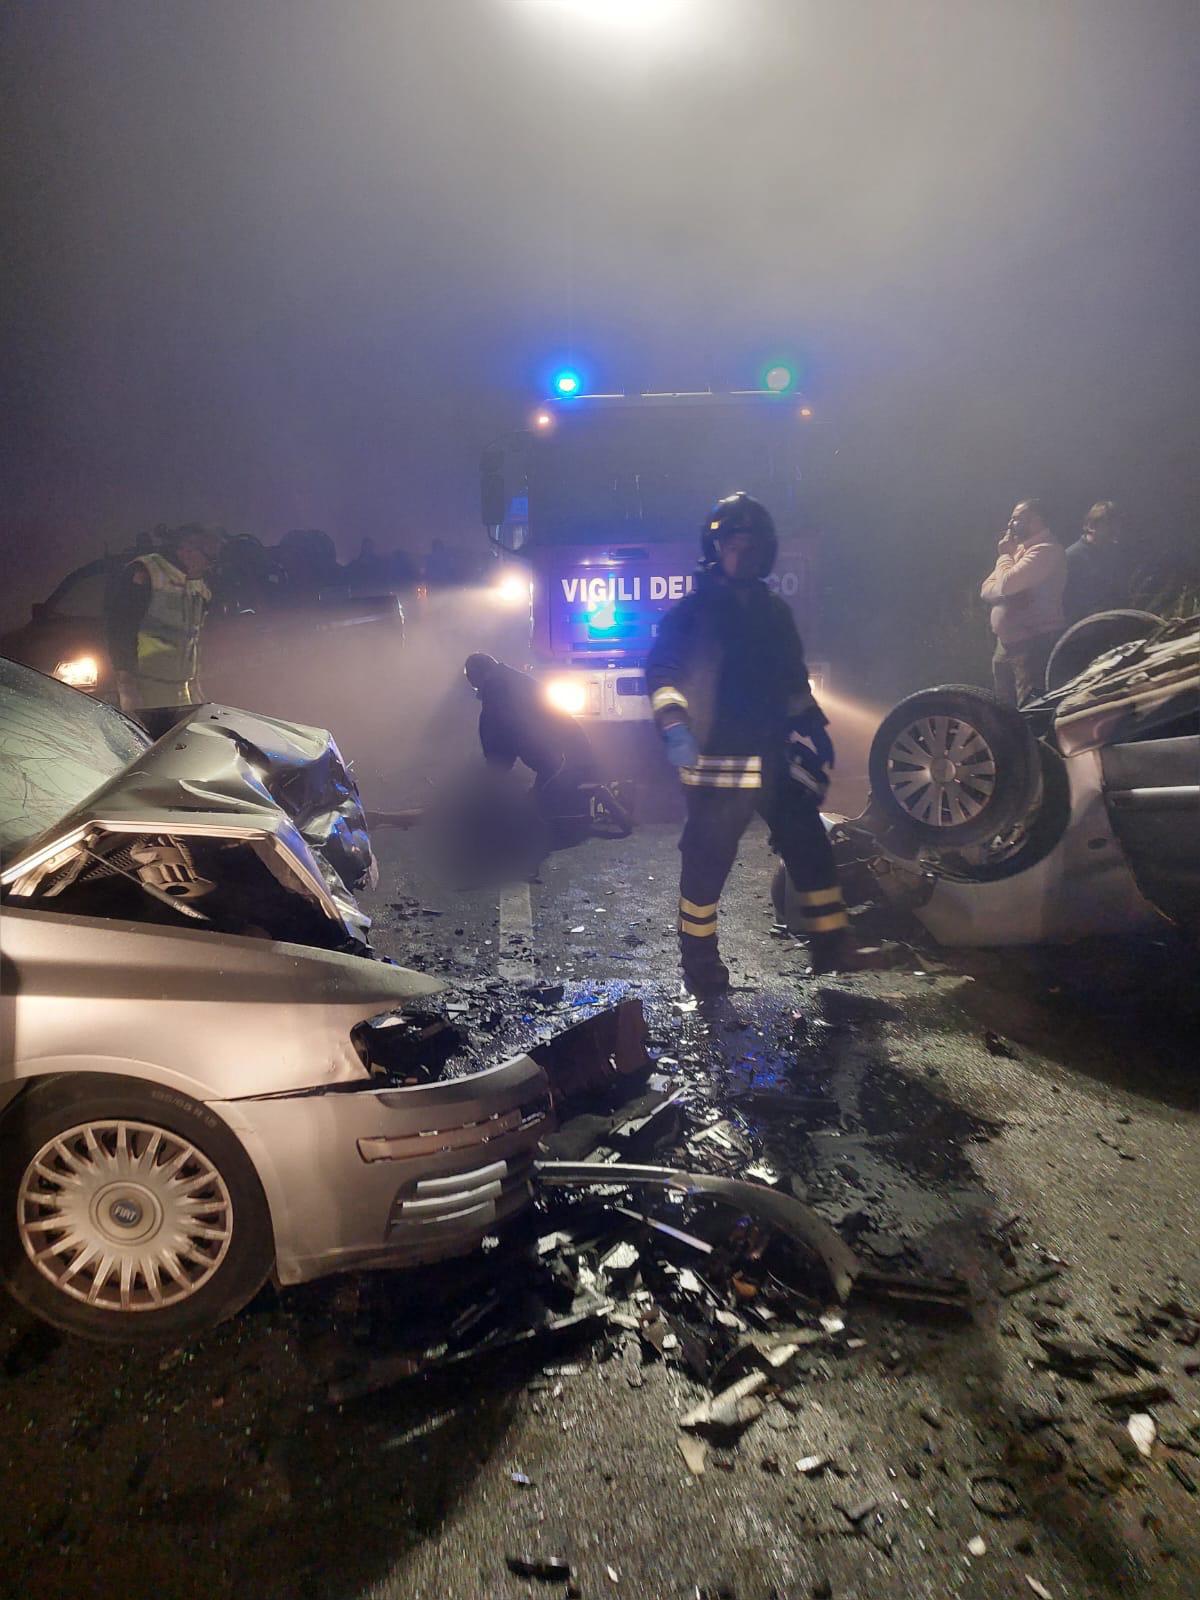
point(1043, 830)
point(954, 765)
point(1091, 637)
point(128, 1212)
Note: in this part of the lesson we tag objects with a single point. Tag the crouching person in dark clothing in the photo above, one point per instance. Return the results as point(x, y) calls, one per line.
point(515, 724)
point(730, 693)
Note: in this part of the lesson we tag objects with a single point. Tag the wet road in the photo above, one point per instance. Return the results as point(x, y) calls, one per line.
point(223, 1469)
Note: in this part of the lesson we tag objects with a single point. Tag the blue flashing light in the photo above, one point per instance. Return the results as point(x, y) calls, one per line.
point(779, 377)
point(603, 619)
point(567, 383)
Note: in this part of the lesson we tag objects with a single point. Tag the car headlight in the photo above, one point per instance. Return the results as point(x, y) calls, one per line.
point(80, 672)
point(566, 694)
point(511, 590)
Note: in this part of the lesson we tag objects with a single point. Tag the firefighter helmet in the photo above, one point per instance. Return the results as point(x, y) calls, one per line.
point(741, 513)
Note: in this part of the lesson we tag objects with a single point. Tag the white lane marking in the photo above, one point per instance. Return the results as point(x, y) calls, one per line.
point(516, 934)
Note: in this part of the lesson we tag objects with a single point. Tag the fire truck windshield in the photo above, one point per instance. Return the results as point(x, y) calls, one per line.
point(647, 475)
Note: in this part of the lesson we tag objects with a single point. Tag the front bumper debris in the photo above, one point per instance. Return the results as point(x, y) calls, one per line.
point(781, 1211)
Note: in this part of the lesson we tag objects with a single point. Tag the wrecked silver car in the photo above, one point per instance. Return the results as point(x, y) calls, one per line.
point(1077, 815)
point(206, 1080)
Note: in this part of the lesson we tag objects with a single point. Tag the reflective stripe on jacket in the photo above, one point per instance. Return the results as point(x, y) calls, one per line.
point(168, 642)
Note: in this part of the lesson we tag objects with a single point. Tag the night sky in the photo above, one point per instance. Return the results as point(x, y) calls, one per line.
point(274, 263)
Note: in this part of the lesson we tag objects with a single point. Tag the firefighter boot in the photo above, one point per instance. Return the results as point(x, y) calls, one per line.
point(779, 898)
point(704, 973)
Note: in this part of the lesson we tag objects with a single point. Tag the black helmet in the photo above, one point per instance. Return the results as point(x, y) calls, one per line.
point(741, 513)
point(479, 669)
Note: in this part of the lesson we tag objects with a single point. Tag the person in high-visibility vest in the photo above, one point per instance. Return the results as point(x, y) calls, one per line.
point(156, 613)
point(730, 693)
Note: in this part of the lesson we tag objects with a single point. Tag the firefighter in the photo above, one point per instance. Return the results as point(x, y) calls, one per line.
point(515, 724)
point(730, 694)
point(155, 613)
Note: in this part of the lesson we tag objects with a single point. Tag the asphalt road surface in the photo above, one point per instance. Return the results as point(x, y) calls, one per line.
point(224, 1468)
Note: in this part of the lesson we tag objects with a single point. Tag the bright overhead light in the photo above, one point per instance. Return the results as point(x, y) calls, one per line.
point(779, 378)
point(543, 419)
point(806, 413)
point(567, 382)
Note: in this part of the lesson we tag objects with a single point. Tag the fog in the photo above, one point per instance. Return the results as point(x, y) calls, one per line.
point(273, 263)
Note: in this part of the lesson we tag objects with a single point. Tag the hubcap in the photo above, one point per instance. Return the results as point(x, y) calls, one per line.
point(124, 1216)
point(941, 771)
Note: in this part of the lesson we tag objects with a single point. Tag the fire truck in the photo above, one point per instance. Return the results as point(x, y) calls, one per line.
point(594, 513)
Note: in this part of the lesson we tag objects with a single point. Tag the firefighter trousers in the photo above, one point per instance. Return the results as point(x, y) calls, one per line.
point(716, 821)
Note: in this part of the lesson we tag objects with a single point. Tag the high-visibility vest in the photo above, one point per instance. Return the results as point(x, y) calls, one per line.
point(168, 645)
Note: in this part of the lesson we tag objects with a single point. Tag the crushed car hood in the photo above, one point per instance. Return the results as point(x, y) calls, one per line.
point(238, 821)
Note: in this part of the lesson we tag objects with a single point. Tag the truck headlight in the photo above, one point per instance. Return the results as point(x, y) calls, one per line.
point(511, 590)
point(80, 672)
point(566, 694)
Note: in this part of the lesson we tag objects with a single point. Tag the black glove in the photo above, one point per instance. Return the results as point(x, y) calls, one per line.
point(813, 725)
point(805, 765)
point(810, 753)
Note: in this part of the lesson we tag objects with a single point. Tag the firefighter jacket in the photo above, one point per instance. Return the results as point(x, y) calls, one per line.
point(728, 661)
point(168, 634)
point(515, 724)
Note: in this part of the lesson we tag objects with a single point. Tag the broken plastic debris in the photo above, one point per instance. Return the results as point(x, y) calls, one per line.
point(779, 1355)
point(858, 1511)
point(1143, 1432)
point(768, 1205)
point(549, 1569)
point(665, 1227)
point(1039, 1589)
point(809, 1466)
point(694, 1452)
point(621, 1258)
point(735, 1407)
point(976, 1546)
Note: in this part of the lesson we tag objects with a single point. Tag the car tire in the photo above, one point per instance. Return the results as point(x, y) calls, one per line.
point(954, 765)
point(173, 1229)
point(1092, 637)
point(1045, 829)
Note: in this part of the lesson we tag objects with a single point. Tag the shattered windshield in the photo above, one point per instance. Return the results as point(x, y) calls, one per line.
point(57, 746)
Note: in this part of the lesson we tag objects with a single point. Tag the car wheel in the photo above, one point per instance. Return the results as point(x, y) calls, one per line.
point(1044, 829)
point(128, 1212)
point(954, 765)
point(1091, 637)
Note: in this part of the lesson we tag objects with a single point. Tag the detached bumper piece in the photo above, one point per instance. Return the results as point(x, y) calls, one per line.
point(778, 1210)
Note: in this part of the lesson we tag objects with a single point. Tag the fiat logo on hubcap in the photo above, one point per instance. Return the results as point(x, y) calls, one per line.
point(125, 1213)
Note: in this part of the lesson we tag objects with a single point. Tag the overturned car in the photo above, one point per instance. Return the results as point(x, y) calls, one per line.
point(1077, 815)
point(206, 1079)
